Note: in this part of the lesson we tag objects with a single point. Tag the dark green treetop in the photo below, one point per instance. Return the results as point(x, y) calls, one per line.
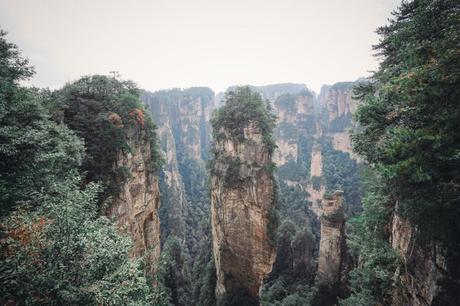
point(243, 106)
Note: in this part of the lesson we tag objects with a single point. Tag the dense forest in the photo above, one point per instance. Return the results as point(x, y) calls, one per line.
point(274, 195)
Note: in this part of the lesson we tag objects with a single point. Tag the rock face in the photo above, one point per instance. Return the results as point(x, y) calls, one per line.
point(242, 200)
point(332, 243)
point(136, 206)
point(184, 131)
point(296, 121)
point(423, 267)
point(340, 106)
point(338, 100)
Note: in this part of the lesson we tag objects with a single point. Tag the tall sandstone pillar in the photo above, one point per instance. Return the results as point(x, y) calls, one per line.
point(332, 243)
point(243, 197)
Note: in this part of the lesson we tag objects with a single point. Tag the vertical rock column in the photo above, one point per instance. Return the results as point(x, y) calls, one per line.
point(242, 208)
point(332, 243)
point(136, 206)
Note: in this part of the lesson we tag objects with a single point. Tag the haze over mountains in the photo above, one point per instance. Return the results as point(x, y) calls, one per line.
point(266, 194)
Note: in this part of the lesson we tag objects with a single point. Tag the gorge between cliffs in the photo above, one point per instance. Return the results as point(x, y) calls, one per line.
point(114, 194)
point(247, 174)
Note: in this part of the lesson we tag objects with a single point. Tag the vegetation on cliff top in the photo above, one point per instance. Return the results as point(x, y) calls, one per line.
point(106, 112)
point(242, 107)
point(54, 249)
point(409, 118)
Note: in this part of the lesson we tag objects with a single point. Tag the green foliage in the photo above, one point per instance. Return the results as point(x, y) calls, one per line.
point(63, 253)
point(239, 296)
point(34, 151)
point(54, 249)
point(410, 113)
point(408, 119)
point(188, 220)
point(273, 222)
point(340, 172)
point(340, 124)
point(14, 68)
point(308, 123)
point(106, 113)
point(174, 272)
point(232, 174)
point(203, 274)
point(294, 269)
point(292, 171)
point(287, 131)
point(373, 280)
point(243, 106)
point(316, 182)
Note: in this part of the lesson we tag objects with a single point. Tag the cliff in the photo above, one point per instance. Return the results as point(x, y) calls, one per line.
point(331, 250)
point(243, 249)
point(184, 131)
point(272, 91)
point(338, 99)
point(332, 271)
point(423, 266)
point(243, 203)
point(339, 104)
point(136, 205)
point(296, 121)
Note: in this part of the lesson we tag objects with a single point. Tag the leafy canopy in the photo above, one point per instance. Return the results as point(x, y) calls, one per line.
point(243, 106)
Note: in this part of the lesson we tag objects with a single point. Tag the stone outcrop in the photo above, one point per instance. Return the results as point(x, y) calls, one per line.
point(332, 243)
point(136, 206)
point(242, 201)
point(423, 267)
point(338, 100)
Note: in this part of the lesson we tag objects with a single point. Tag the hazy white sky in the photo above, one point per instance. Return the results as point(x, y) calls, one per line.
point(183, 43)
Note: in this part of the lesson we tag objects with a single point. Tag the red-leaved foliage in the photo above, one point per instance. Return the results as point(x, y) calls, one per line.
point(25, 233)
point(115, 119)
point(138, 116)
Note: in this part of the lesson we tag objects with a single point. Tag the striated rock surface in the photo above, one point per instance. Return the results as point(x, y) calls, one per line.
point(338, 99)
point(332, 243)
point(296, 122)
point(423, 267)
point(339, 104)
point(173, 191)
point(136, 206)
point(242, 200)
point(184, 131)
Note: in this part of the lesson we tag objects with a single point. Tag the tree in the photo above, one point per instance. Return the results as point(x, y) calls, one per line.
point(409, 134)
point(174, 272)
point(34, 151)
point(410, 112)
point(102, 111)
point(54, 248)
point(242, 106)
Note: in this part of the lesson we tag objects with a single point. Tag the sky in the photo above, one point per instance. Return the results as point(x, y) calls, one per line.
point(182, 43)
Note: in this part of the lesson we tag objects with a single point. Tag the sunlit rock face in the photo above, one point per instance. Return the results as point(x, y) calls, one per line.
point(332, 243)
point(136, 205)
point(242, 199)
